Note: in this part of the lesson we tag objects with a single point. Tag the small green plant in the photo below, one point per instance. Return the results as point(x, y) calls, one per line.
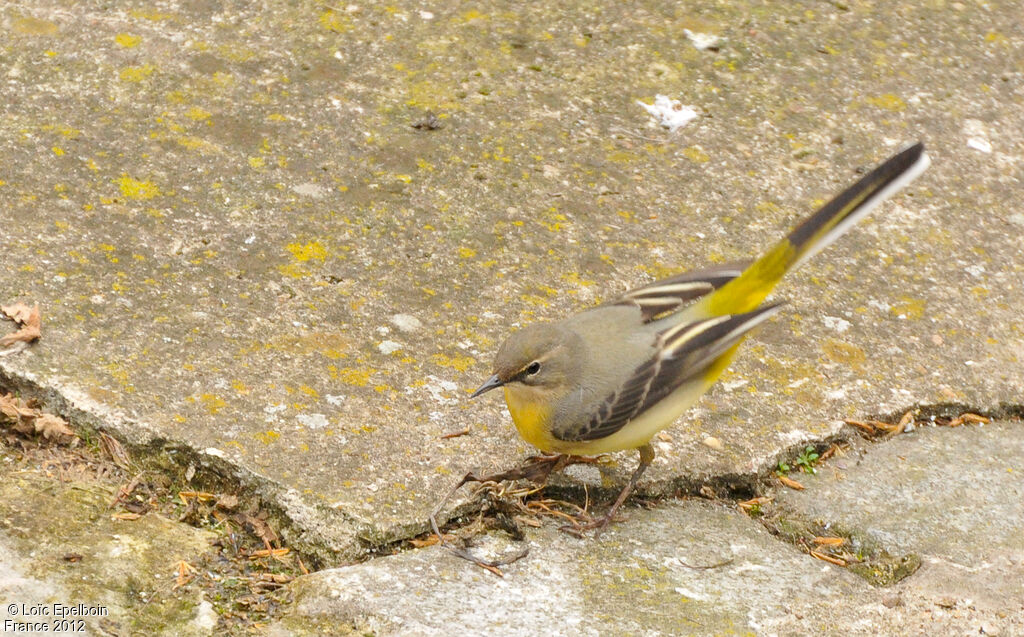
point(783, 469)
point(807, 459)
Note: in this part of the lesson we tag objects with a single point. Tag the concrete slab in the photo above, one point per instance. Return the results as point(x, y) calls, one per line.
point(635, 580)
point(66, 566)
point(620, 584)
point(246, 254)
point(952, 497)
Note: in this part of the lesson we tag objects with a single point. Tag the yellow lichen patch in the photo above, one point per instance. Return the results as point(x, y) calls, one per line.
point(28, 25)
point(149, 14)
point(223, 79)
point(309, 391)
point(257, 162)
point(909, 308)
point(127, 40)
point(332, 20)
point(467, 253)
point(212, 403)
point(888, 101)
point(309, 251)
point(240, 387)
point(996, 38)
point(329, 344)
point(293, 270)
point(351, 375)
point(58, 151)
point(192, 142)
point(469, 16)
point(844, 353)
point(197, 114)
point(267, 437)
point(135, 189)
point(460, 362)
point(696, 154)
point(136, 73)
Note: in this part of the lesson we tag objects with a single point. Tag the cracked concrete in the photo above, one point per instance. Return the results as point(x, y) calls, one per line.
point(966, 523)
point(251, 264)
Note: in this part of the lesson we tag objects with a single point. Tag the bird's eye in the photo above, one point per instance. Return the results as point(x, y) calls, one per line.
point(533, 368)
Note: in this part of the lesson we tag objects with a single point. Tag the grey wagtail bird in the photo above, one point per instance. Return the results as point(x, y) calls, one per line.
point(611, 377)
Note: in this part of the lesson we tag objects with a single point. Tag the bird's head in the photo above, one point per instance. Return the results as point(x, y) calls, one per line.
point(544, 356)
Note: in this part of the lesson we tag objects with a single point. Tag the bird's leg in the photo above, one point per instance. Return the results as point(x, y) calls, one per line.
point(598, 525)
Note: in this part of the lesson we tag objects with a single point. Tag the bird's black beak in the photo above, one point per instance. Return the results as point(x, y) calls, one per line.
point(488, 385)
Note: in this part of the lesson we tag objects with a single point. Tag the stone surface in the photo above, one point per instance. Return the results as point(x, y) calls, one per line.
point(60, 546)
point(634, 580)
point(252, 264)
point(950, 495)
point(954, 497)
point(241, 244)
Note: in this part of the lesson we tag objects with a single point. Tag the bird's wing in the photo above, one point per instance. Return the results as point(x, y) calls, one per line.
point(683, 351)
point(668, 295)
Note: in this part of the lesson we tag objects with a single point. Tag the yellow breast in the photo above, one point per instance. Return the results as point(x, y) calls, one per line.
point(531, 415)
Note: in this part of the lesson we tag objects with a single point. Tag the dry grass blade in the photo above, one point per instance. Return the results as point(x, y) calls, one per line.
point(976, 419)
point(866, 427)
point(829, 541)
point(274, 553)
point(824, 557)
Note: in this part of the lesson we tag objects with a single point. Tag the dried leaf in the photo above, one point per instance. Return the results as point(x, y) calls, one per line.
point(277, 578)
point(113, 449)
point(828, 453)
point(27, 420)
point(753, 502)
point(260, 528)
point(227, 502)
point(202, 496)
point(53, 427)
point(19, 312)
point(9, 407)
point(791, 483)
point(185, 572)
point(125, 515)
point(829, 541)
point(28, 318)
point(430, 540)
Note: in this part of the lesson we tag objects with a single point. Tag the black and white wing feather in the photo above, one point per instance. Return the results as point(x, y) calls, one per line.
point(684, 351)
point(671, 294)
